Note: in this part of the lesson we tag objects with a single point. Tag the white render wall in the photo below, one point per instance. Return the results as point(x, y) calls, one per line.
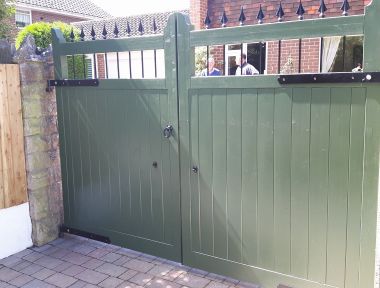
point(15, 230)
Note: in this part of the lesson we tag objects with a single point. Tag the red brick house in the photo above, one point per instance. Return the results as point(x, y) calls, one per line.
point(30, 11)
point(338, 54)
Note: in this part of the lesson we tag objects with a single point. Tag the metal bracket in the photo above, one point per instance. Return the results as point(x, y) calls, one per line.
point(65, 229)
point(71, 83)
point(356, 77)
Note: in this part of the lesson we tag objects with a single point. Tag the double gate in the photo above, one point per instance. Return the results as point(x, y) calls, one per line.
point(245, 176)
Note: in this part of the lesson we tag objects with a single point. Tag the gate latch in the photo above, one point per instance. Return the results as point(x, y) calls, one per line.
point(168, 131)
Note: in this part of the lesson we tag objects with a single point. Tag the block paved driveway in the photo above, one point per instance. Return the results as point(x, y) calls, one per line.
point(74, 261)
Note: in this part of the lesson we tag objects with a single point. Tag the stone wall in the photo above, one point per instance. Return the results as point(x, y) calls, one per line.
point(41, 149)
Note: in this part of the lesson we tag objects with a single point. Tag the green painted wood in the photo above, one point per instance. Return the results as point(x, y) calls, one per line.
point(319, 182)
point(265, 147)
point(112, 45)
point(60, 61)
point(282, 180)
point(371, 37)
point(219, 165)
point(249, 171)
point(357, 121)
point(194, 177)
point(233, 177)
point(338, 185)
point(206, 171)
point(300, 174)
point(312, 28)
point(370, 188)
point(131, 84)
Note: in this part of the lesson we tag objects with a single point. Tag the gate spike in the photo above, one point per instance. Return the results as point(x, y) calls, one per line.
point(154, 26)
point(242, 17)
point(116, 31)
point(141, 27)
point(104, 33)
point(280, 13)
point(81, 35)
point(345, 7)
point(300, 11)
point(260, 15)
point(207, 21)
point(224, 19)
point(93, 34)
point(322, 9)
point(72, 35)
point(128, 29)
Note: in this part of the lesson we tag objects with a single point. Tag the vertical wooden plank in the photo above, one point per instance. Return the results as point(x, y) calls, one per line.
point(205, 170)
point(265, 176)
point(249, 177)
point(371, 186)
point(355, 187)
point(219, 115)
point(6, 140)
point(300, 181)
point(155, 172)
point(319, 182)
point(3, 92)
point(19, 195)
point(282, 160)
point(146, 164)
point(194, 178)
point(234, 166)
point(338, 185)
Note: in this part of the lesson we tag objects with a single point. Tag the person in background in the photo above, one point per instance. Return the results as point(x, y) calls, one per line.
point(212, 71)
point(245, 68)
point(358, 68)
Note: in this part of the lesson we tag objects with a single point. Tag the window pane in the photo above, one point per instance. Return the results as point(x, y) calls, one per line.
point(22, 18)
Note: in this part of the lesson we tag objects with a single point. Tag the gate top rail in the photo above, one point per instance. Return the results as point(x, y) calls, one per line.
point(322, 27)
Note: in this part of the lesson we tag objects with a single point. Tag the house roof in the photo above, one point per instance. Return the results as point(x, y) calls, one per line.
point(81, 7)
point(121, 22)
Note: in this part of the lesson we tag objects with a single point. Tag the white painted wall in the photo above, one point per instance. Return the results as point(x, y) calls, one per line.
point(15, 230)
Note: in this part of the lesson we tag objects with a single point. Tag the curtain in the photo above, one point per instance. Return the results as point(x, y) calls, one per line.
point(330, 48)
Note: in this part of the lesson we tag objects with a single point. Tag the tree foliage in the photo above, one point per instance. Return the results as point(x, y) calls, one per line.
point(7, 10)
point(41, 32)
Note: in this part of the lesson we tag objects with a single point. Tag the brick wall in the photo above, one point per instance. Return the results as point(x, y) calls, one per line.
point(38, 16)
point(289, 49)
point(198, 8)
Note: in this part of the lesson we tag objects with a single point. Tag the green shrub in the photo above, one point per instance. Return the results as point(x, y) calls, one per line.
point(7, 11)
point(41, 32)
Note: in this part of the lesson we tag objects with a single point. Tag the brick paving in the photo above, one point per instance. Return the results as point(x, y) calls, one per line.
point(77, 262)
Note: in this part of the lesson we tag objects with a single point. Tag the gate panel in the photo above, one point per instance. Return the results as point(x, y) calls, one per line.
point(279, 182)
point(110, 139)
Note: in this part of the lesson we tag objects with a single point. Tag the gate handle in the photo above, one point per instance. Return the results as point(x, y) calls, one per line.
point(168, 131)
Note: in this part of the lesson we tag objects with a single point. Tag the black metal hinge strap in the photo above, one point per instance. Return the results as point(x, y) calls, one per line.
point(356, 77)
point(65, 229)
point(72, 83)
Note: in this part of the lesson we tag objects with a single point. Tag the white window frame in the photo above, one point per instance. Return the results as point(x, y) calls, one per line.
point(25, 11)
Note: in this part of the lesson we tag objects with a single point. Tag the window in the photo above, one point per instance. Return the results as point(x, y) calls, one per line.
point(256, 56)
point(23, 18)
point(342, 54)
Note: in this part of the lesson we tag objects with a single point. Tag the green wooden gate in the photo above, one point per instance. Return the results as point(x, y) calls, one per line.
point(275, 184)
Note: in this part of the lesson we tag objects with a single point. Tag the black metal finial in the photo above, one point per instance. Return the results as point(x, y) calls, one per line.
point(93, 34)
point(300, 11)
point(242, 17)
point(104, 33)
point(260, 15)
point(207, 20)
point(81, 35)
point(345, 7)
point(280, 13)
point(72, 35)
point(322, 9)
point(116, 31)
point(154, 25)
point(141, 27)
point(224, 19)
point(128, 29)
